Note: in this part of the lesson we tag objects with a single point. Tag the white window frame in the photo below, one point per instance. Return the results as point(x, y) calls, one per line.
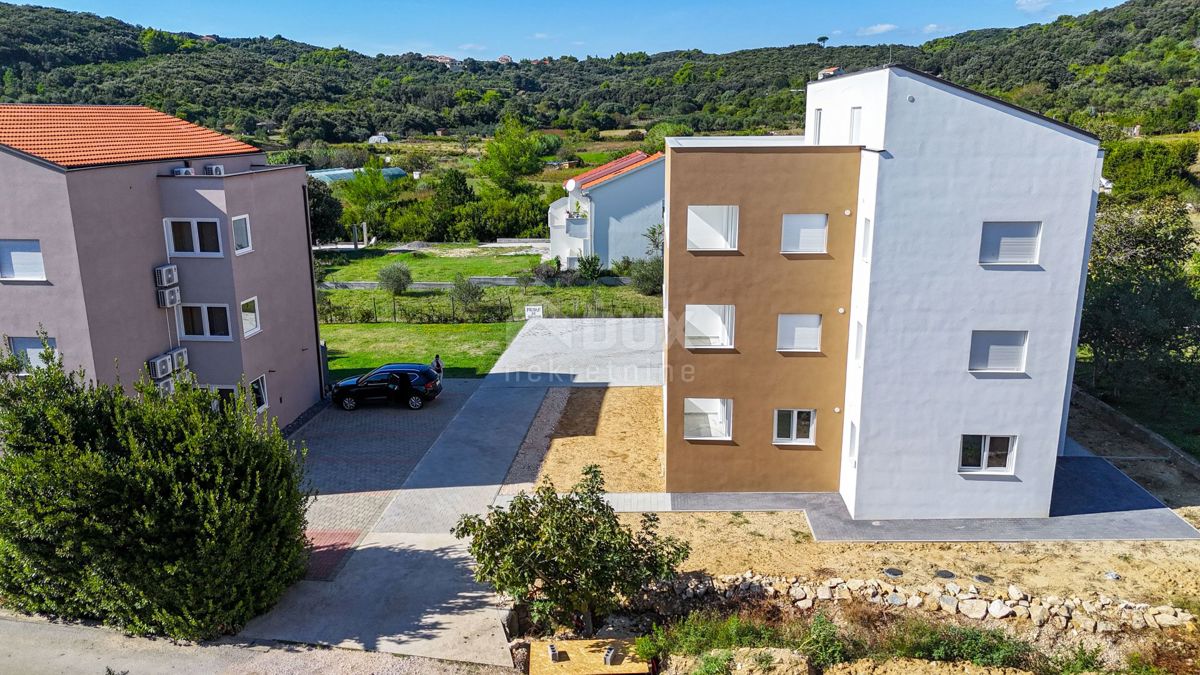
point(41, 260)
point(249, 235)
point(795, 412)
point(727, 403)
point(1024, 352)
point(868, 231)
point(21, 353)
point(266, 396)
point(1010, 461)
point(729, 327)
point(170, 235)
point(824, 235)
point(855, 135)
point(779, 325)
point(731, 243)
point(208, 336)
point(1037, 246)
point(257, 317)
point(860, 342)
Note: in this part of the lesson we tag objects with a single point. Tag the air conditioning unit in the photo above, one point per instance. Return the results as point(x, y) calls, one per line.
point(160, 366)
point(166, 275)
point(169, 297)
point(166, 386)
point(179, 356)
point(183, 171)
point(214, 170)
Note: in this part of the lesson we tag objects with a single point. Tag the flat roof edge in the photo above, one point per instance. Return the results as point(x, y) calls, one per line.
point(735, 141)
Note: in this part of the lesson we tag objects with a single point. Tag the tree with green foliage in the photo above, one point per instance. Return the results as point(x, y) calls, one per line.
point(1143, 169)
point(173, 514)
point(324, 212)
point(367, 197)
point(395, 278)
point(154, 41)
point(511, 155)
point(568, 555)
point(656, 136)
point(1141, 318)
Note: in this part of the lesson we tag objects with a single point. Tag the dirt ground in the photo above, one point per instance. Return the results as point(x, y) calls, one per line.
point(781, 543)
point(618, 428)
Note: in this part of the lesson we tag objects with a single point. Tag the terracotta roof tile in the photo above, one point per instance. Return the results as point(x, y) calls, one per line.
point(92, 135)
point(612, 169)
point(622, 170)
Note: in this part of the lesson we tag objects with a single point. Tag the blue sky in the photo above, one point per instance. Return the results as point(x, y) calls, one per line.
point(534, 28)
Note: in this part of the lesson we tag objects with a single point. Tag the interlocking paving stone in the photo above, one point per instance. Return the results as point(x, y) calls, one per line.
point(329, 549)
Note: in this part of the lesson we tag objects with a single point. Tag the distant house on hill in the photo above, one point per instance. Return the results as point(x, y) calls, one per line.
point(832, 71)
point(505, 58)
point(330, 176)
point(608, 209)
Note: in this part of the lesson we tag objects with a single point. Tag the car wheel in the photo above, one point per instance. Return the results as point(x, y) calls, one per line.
point(416, 402)
point(349, 403)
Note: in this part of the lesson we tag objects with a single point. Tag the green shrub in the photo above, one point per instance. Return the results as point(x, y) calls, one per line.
point(718, 663)
point(395, 278)
point(178, 515)
point(623, 266)
point(466, 293)
point(590, 268)
point(647, 276)
point(1077, 661)
point(824, 645)
point(920, 640)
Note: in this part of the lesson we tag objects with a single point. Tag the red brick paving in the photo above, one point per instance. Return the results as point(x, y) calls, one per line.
point(330, 548)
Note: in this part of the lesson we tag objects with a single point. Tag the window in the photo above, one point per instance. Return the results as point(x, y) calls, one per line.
point(21, 260)
point(1010, 243)
point(853, 440)
point(28, 351)
point(258, 390)
point(804, 232)
point(855, 125)
point(1000, 351)
point(860, 338)
point(250, 324)
point(867, 234)
point(195, 238)
point(712, 228)
point(799, 333)
point(708, 326)
point(242, 242)
point(796, 427)
point(987, 454)
point(817, 127)
point(204, 322)
point(707, 418)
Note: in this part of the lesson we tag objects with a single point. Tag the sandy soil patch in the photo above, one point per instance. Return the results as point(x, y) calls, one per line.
point(618, 428)
point(915, 667)
point(781, 544)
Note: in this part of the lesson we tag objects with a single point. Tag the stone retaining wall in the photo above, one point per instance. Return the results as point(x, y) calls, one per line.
point(1101, 613)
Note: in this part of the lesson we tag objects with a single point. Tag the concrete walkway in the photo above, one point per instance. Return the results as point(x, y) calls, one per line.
point(591, 352)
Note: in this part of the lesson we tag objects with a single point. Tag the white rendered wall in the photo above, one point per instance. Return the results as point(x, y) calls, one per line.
point(623, 208)
point(950, 161)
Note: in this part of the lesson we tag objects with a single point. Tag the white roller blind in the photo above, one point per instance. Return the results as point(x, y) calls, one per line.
point(799, 332)
point(21, 259)
point(804, 232)
point(998, 350)
point(1010, 243)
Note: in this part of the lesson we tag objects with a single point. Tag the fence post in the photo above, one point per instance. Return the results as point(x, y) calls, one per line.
point(374, 310)
point(393, 309)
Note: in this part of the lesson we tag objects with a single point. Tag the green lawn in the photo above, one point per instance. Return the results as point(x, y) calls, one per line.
point(594, 157)
point(364, 264)
point(467, 349)
point(556, 302)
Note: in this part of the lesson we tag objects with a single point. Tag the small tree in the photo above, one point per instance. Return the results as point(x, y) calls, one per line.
point(466, 292)
point(590, 268)
point(325, 213)
point(655, 239)
point(647, 275)
point(395, 278)
point(511, 155)
point(525, 280)
point(568, 555)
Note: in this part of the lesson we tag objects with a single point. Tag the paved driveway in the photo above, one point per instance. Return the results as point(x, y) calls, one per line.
point(563, 352)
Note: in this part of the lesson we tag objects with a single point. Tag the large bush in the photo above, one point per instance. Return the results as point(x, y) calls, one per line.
point(177, 515)
point(647, 275)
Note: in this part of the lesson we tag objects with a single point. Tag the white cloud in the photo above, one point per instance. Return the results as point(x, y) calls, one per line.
point(933, 28)
point(541, 36)
point(878, 29)
point(472, 47)
point(835, 32)
point(1032, 5)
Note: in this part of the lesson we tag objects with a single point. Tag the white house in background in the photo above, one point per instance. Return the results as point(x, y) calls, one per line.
point(943, 271)
point(608, 209)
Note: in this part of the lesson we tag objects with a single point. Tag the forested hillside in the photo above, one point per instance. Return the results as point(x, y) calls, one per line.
point(1135, 63)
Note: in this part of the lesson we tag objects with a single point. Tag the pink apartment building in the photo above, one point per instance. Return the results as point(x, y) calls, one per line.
point(141, 242)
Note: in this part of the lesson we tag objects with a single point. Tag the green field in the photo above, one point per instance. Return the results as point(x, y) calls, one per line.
point(364, 264)
point(467, 349)
point(556, 302)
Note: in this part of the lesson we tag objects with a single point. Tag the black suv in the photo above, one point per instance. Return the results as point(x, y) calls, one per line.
point(412, 384)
